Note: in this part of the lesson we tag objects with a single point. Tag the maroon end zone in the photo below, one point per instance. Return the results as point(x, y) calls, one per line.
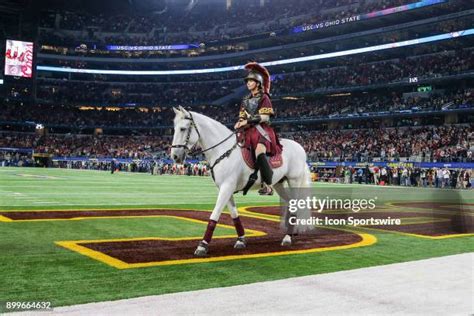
point(441, 222)
point(152, 250)
point(441, 219)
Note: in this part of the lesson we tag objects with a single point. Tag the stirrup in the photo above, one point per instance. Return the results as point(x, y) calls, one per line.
point(266, 190)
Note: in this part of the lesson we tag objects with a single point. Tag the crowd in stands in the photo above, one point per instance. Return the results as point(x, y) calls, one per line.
point(55, 44)
point(364, 104)
point(459, 47)
point(440, 144)
point(152, 166)
point(16, 159)
point(390, 71)
point(450, 143)
point(397, 175)
point(399, 70)
point(353, 105)
point(175, 25)
point(74, 92)
point(66, 145)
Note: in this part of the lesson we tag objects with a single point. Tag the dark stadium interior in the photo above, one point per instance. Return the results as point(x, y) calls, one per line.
point(410, 103)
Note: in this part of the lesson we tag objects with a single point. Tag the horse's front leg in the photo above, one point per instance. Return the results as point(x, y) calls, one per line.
point(225, 193)
point(241, 242)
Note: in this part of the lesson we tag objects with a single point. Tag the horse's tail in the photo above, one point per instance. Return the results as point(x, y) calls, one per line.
point(307, 177)
point(302, 189)
point(305, 213)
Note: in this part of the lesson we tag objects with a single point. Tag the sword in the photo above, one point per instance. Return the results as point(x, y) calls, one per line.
point(260, 129)
point(263, 132)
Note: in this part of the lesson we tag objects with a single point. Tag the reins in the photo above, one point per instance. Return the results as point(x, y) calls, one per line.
point(188, 136)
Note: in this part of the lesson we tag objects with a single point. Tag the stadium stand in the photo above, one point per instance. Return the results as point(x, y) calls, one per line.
point(410, 104)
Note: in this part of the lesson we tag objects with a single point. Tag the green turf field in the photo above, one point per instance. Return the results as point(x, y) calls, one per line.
point(33, 268)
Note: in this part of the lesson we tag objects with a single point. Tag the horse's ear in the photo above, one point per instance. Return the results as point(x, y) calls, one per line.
point(176, 111)
point(183, 110)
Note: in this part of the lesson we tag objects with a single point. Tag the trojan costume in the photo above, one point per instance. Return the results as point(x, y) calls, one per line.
point(257, 131)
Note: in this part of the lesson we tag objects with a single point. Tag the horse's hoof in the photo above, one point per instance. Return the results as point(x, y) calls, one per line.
point(202, 249)
point(241, 243)
point(286, 241)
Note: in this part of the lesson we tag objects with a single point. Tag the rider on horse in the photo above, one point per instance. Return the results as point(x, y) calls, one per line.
point(254, 117)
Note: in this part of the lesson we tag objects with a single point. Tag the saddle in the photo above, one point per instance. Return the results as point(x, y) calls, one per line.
point(248, 155)
point(275, 161)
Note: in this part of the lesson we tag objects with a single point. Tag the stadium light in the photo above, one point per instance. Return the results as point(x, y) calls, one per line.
point(349, 52)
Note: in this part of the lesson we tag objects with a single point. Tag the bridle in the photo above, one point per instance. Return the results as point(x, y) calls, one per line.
point(186, 147)
point(188, 134)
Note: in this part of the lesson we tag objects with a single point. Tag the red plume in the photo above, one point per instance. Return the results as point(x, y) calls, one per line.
point(253, 66)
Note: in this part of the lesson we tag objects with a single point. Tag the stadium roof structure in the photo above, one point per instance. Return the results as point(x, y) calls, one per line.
point(417, 41)
point(143, 7)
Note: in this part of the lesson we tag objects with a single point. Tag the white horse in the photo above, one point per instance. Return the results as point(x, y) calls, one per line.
point(230, 172)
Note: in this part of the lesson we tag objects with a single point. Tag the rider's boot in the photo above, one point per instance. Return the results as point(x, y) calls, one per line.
point(266, 173)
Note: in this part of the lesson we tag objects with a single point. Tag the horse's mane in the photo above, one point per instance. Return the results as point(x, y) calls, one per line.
point(219, 124)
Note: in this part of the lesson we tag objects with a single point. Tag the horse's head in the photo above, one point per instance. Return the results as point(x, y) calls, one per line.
point(185, 135)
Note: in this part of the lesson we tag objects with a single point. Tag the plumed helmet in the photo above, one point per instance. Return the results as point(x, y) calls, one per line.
point(253, 75)
point(260, 74)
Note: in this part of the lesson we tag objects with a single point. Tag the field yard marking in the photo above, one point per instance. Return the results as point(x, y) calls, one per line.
point(108, 209)
point(367, 240)
point(245, 212)
point(421, 220)
point(253, 233)
point(44, 202)
point(420, 206)
point(277, 219)
point(5, 219)
point(119, 264)
point(97, 255)
point(447, 236)
point(35, 176)
point(417, 235)
point(153, 204)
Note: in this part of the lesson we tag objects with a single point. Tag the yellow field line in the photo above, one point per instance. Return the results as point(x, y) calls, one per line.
point(84, 218)
point(5, 219)
point(276, 219)
point(367, 240)
point(417, 235)
point(80, 218)
point(242, 210)
point(424, 220)
point(422, 209)
point(107, 209)
point(245, 212)
point(96, 255)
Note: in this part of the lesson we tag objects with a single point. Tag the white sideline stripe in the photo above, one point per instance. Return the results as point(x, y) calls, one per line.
point(441, 286)
point(45, 202)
